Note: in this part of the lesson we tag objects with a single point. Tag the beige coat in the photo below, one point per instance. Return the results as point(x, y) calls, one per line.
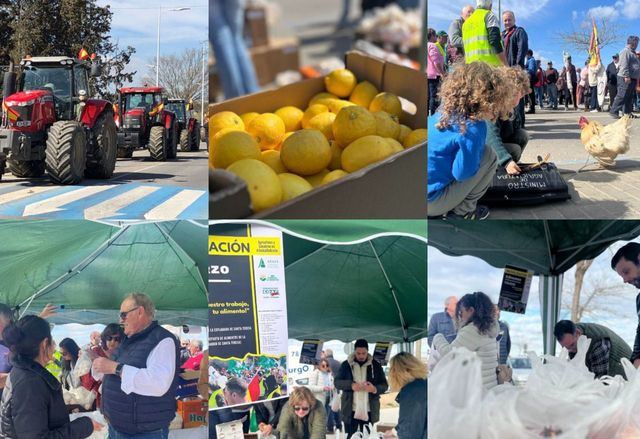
point(484, 345)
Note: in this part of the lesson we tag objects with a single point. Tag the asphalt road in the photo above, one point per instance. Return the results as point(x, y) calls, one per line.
point(140, 189)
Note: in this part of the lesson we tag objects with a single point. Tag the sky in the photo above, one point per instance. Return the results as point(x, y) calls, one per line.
point(457, 276)
point(136, 23)
point(543, 19)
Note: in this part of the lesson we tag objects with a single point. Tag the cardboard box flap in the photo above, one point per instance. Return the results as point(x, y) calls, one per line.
point(393, 188)
point(402, 81)
point(298, 94)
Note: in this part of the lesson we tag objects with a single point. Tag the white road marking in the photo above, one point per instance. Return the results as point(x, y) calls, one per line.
point(54, 204)
point(24, 193)
point(111, 207)
point(174, 206)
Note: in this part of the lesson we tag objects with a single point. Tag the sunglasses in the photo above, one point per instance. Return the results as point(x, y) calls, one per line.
point(112, 338)
point(123, 314)
point(299, 408)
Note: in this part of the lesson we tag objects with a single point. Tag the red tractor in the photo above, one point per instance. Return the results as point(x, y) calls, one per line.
point(49, 123)
point(188, 126)
point(144, 121)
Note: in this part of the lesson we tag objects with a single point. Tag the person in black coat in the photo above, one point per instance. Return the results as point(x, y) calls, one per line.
point(268, 414)
point(612, 79)
point(409, 375)
point(32, 404)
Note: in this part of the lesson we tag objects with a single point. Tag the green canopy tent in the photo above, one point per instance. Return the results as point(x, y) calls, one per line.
point(348, 279)
point(548, 247)
point(88, 267)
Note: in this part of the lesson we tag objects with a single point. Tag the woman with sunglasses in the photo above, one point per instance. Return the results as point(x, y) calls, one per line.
point(32, 403)
point(110, 339)
point(478, 329)
point(304, 417)
point(321, 384)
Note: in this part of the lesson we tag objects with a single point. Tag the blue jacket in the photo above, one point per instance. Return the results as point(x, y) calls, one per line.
point(441, 323)
point(504, 342)
point(453, 156)
point(532, 67)
point(412, 422)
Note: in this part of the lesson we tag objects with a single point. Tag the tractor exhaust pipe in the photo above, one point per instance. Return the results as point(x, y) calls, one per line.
point(8, 84)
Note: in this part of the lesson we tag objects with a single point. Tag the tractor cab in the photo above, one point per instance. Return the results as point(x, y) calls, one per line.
point(180, 108)
point(65, 78)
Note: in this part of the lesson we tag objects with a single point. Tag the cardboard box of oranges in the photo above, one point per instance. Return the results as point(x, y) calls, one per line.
point(351, 144)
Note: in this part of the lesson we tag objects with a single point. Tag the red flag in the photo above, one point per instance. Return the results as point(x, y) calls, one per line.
point(253, 389)
point(594, 50)
point(93, 56)
point(83, 54)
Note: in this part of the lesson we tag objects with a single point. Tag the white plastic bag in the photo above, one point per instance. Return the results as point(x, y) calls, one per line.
point(455, 393)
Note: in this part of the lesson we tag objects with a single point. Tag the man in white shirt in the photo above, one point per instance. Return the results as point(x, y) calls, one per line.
point(139, 385)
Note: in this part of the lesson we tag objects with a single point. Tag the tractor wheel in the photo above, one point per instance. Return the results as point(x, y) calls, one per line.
point(26, 169)
point(172, 147)
point(195, 137)
point(184, 141)
point(103, 162)
point(124, 153)
point(157, 144)
point(66, 152)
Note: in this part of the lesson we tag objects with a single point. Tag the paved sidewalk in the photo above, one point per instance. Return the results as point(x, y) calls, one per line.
point(596, 193)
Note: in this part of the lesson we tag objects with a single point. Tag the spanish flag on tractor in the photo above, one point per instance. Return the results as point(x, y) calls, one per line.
point(83, 54)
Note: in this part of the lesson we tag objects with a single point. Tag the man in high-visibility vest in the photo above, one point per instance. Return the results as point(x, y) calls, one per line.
point(481, 36)
point(441, 44)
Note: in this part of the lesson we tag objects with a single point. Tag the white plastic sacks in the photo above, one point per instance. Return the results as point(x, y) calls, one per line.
point(561, 399)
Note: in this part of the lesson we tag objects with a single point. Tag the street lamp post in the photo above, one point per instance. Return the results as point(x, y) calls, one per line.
point(205, 46)
point(158, 41)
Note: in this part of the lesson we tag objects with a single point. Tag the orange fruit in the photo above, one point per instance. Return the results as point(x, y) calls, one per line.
point(352, 123)
point(291, 116)
point(363, 94)
point(306, 152)
point(340, 82)
point(229, 146)
point(311, 112)
point(224, 119)
point(323, 122)
point(263, 184)
point(386, 125)
point(415, 137)
point(268, 130)
point(386, 102)
point(365, 151)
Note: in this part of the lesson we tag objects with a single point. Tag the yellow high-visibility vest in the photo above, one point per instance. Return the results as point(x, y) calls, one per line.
point(213, 401)
point(55, 366)
point(475, 38)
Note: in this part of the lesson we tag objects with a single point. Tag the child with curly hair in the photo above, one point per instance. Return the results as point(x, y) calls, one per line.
point(506, 137)
point(460, 165)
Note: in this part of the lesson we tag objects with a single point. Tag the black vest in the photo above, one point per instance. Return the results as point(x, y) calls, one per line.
point(133, 413)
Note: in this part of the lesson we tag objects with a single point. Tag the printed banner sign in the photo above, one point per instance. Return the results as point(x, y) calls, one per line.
point(514, 292)
point(248, 337)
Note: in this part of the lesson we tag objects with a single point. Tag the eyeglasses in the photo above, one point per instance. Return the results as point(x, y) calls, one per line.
point(112, 338)
point(123, 314)
point(299, 408)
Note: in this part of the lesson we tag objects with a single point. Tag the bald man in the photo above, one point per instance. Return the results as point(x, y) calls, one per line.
point(442, 322)
point(455, 32)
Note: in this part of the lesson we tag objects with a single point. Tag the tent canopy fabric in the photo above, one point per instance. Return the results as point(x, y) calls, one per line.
point(548, 247)
point(88, 267)
point(349, 279)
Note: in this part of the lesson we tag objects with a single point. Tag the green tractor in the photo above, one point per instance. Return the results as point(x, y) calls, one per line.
point(188, 126)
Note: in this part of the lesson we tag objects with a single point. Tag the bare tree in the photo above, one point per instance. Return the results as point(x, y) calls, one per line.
point(593, 297)
point(181, 76)
point(608, 33)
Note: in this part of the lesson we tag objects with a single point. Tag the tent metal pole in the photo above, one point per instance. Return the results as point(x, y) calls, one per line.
point(550, 291)
point(547, 235)
point(393, 293)
point(73, 271)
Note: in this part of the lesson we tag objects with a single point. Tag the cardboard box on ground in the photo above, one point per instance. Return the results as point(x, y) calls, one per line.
point(392, 188)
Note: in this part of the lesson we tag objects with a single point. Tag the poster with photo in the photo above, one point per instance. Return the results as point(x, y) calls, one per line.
point(248, 337)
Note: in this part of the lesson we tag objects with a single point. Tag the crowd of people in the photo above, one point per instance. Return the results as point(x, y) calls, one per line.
point(481, 82)
point(337, 394)
point(130, 370)
point(473, 322)
point(476, 36)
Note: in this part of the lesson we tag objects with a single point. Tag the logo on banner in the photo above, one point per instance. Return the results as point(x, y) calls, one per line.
point(269, 278)
point(272, 292)
point(243, 246)
point(261, 264)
